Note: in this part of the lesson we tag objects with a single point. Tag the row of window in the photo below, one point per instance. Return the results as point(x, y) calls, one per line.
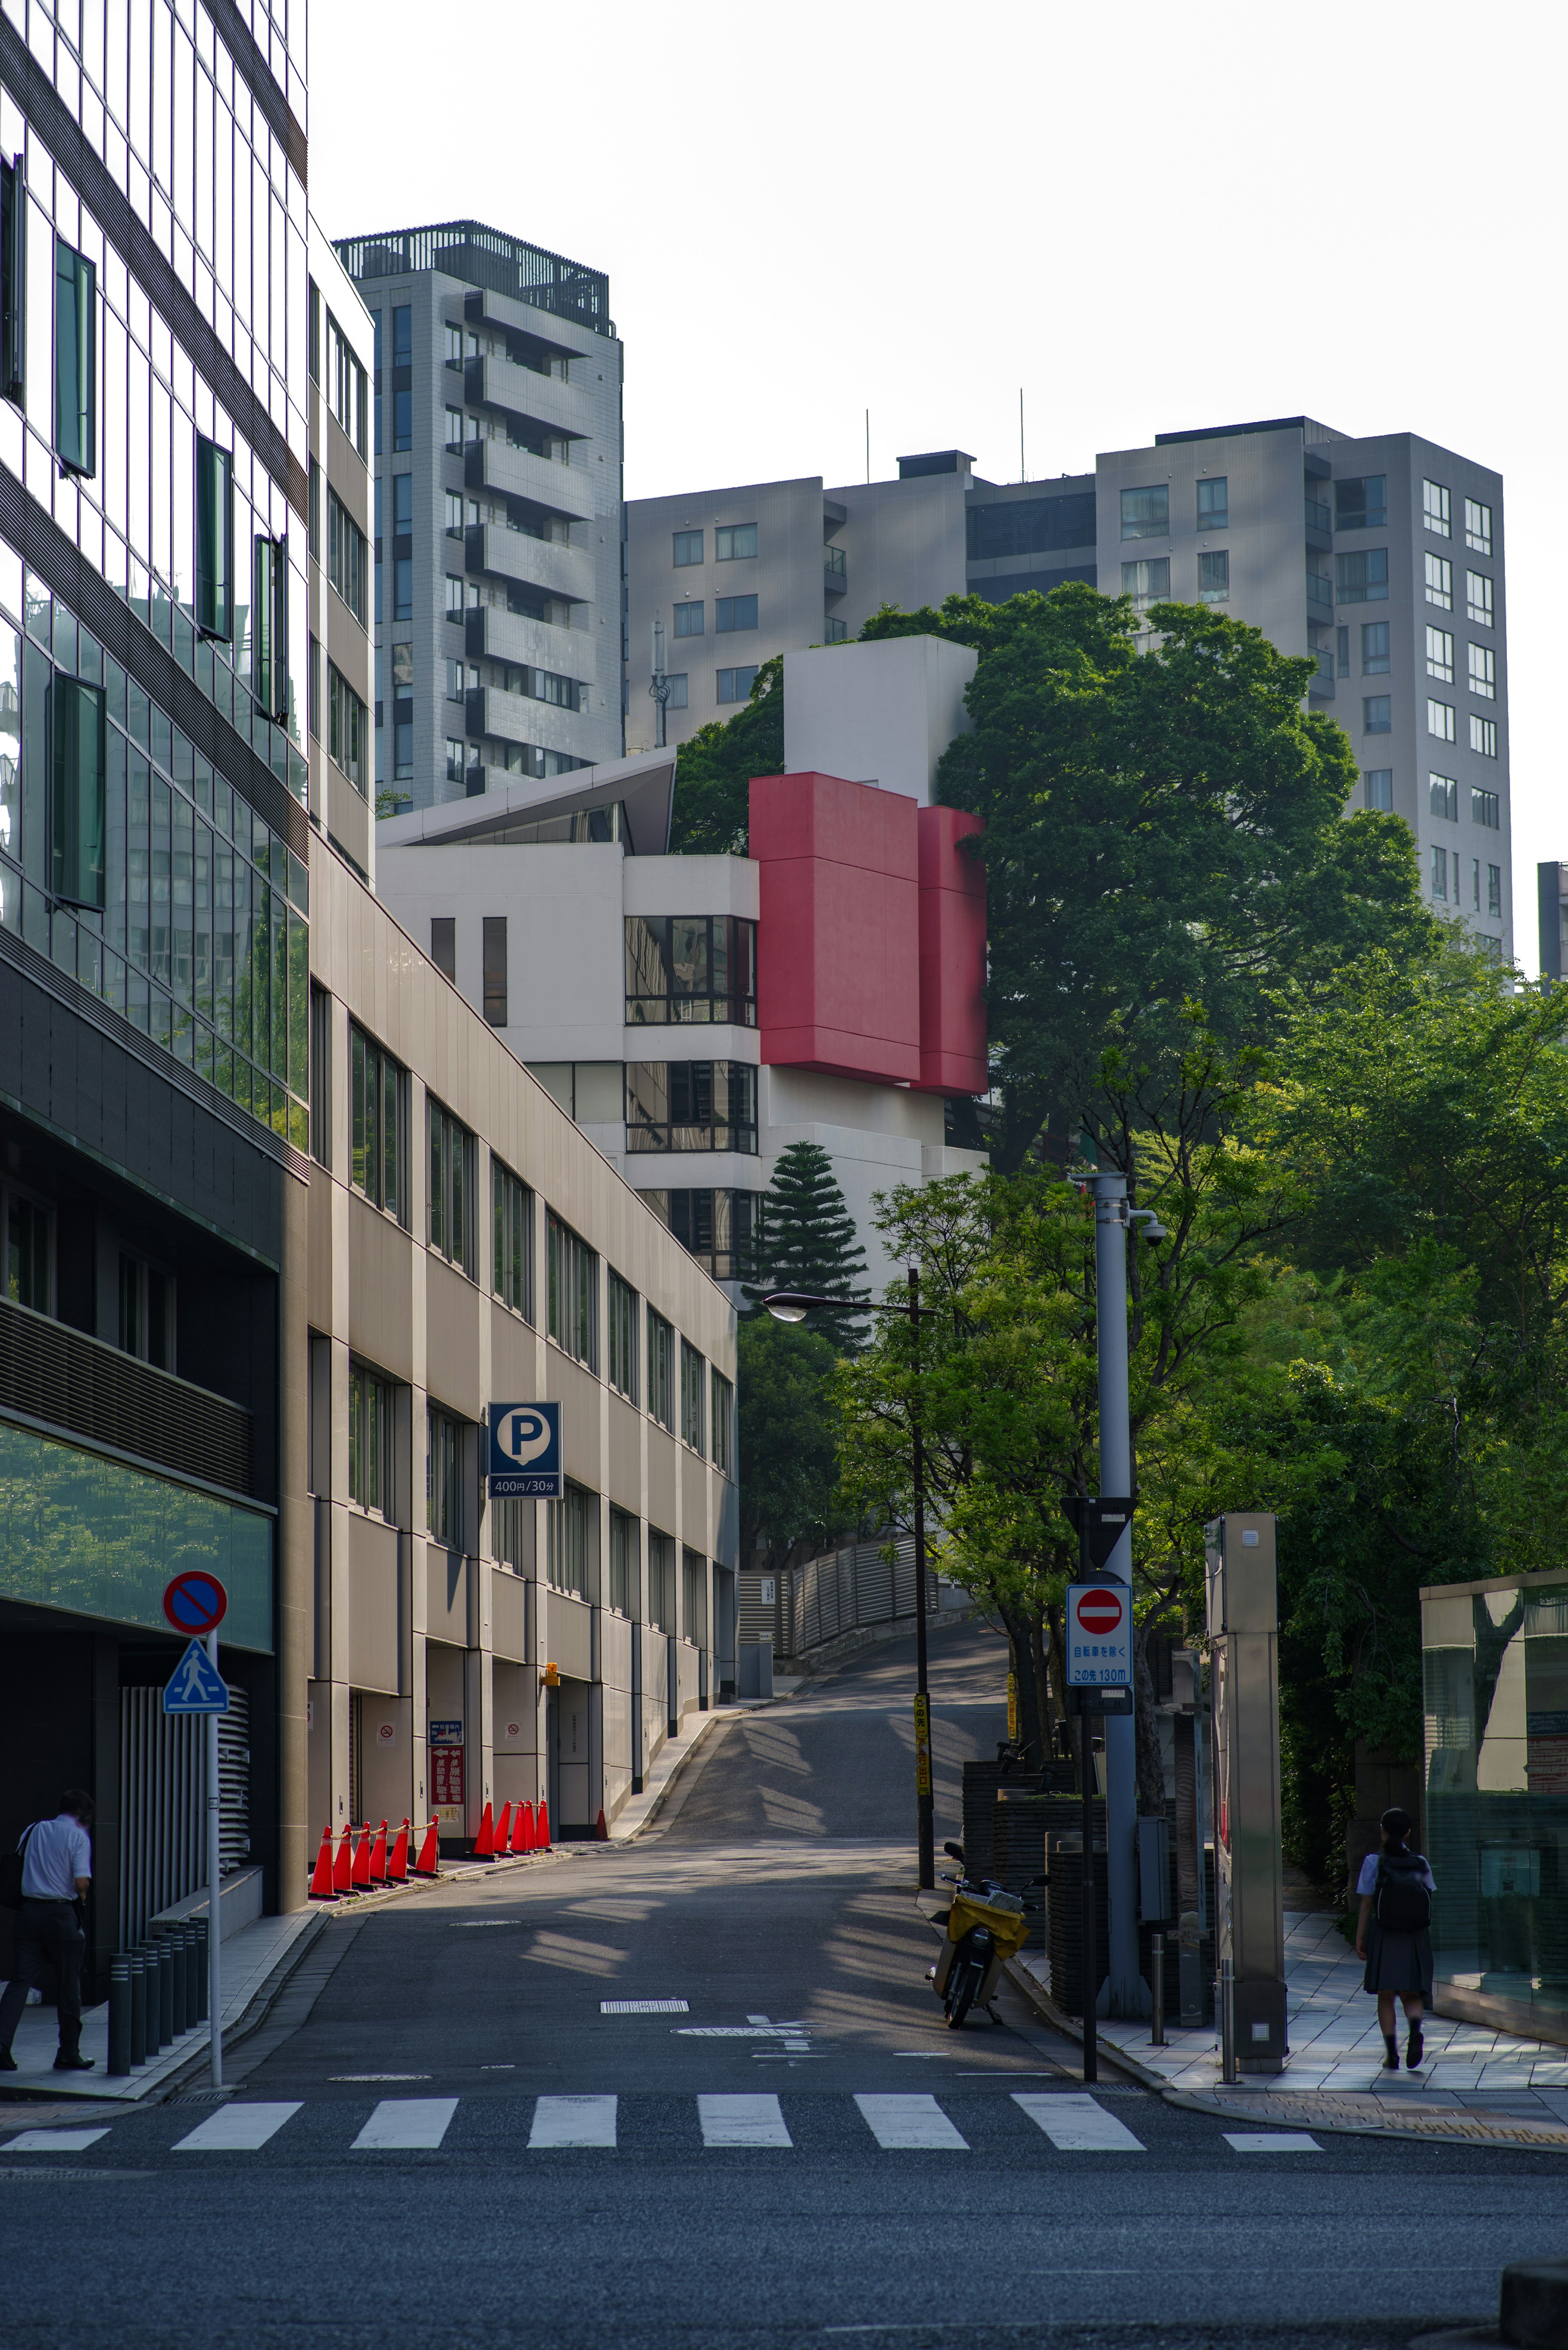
point(1481, 659)
point(1440, 726)
point(732, 614)
point(1443, 795)
point(379, 1162)
point(730, 684)
point(1449, 882)
point(1148, 581)
point(144, 1291)
point(733, 543)
point(1359, 505)
point(1437, 515)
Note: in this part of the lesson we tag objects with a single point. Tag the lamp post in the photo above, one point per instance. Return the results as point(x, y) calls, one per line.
point(794, 1305)
point(659, 684)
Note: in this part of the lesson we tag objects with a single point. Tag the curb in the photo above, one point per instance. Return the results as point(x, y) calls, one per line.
point(1045, 2007)
point(702, 1744)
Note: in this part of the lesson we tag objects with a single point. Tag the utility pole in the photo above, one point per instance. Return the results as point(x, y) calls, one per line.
point(660, 688)
point(925, 1819)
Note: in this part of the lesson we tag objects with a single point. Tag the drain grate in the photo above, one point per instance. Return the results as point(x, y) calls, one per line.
point(644, 2007)
point(200, 2096)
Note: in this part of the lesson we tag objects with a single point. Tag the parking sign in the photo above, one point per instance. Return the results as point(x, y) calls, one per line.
point(525, 1452)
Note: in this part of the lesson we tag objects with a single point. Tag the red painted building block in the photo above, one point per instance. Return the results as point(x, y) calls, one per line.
point(953, 954)
point(839, 962)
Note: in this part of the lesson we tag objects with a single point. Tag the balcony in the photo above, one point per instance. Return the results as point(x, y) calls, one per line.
point(1319, 527)
point(517, 718)
point(513, 637)
point(519, 474)
point(546, 400)
point(541, 563)
point(1320, 594)
point(834, 572)
point(1321, 688)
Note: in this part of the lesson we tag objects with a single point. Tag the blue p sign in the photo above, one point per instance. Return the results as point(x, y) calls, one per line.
point(525, 1452)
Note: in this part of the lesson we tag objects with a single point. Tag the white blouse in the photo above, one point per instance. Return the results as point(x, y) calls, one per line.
point(1367, 1880)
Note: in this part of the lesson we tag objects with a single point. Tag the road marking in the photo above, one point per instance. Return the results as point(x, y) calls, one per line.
point(53, 2141)
point(1076, 2124)
point(1272, 2141)
point(573, 2121)
point(743, 2121)
point(238, 2129)
point(644, 2007)
point(380, 2076)
point(912, 2120)
point(407, 2122)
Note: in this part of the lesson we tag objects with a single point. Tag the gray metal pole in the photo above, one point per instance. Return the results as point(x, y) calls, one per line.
point(214, 1937)
point(925, 1840)
point(1124, 1987)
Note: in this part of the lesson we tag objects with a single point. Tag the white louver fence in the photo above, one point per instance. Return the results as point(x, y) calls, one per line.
point(842, 1590)
point(163, 1852)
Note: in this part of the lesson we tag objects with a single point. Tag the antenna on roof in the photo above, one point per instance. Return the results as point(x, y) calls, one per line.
point(1022, 474)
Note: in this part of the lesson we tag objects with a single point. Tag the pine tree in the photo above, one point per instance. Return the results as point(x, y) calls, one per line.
point(807, 1242)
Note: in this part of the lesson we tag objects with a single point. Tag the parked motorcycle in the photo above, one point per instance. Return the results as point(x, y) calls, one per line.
point(986, 1925)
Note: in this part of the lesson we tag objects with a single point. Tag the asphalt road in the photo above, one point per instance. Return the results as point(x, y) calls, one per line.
point(803, 2153)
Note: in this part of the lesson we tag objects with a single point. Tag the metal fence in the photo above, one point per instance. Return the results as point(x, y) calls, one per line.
point(841, 1590)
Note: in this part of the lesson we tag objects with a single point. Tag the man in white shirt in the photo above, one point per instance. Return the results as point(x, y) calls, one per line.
point(57, 1873)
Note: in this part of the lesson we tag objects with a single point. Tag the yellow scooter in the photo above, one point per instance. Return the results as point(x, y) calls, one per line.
point(986, 1925)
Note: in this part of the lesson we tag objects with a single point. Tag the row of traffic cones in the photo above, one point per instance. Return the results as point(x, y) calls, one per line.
point(527, 1832)
point(359, 1866)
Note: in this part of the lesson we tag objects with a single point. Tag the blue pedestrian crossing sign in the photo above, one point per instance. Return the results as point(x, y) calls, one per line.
point(525, 1452)
point(197, 1686)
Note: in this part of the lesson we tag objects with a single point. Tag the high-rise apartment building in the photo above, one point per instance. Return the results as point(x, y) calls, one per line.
point(498, 484)
point(281, 1219)
point(1381, 556)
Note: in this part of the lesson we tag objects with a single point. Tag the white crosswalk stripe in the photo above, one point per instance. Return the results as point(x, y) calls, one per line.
point(236, 2129)
point(53, 2141)
point(743, 2121)
point(1076, 2122)
point(573, 2121)
point(407, 2122)
point(909, 2121)
point(1272, 2142)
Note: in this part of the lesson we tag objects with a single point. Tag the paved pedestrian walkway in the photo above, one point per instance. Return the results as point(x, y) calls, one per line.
point(1474, 2082)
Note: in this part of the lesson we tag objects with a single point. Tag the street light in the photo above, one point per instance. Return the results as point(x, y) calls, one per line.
point(794, 1305)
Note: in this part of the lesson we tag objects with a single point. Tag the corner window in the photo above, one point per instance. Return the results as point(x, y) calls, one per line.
point(1435, 512)
point(735, 684)
point(1213, 504)
point(1478, 527)
point(735, 543)
point(1214, 578)
point(1377, 714)
point(1363, 504)
point(691, 1105)
point(573, 1306)
point(1377, 788)
point(724, 1401)
point(452, 1160)
point(733, 613)
point(1362, 578)
point(1373, 647)
point(75, 361)
point(1443, 798)
point(1483, 671)
point(1441, 655)
point(379, 1125)
point(1486, 809)
point(369, 1440)
point(1439, 574)
point(1483, 737)
point(661, 1370)
point(623, 1337)
point(688, 548)
point(511, 1258)
point(695, 968)
point(1440, 720)
point(689, 619)
point(1146, 514)
point(216, 537)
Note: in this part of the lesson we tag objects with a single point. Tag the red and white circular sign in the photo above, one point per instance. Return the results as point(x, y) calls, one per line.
point(1099, 1613)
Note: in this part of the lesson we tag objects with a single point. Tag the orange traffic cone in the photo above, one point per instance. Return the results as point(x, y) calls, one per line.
point(522, 1827)
point(484, 1842)
point(429, 1861)
point(398, 1865)
point(359, 1876)
point(542, 1833)
point(504, 1830)
point(342, 1867)
point(601, 1833)
point(379, 1855)
point(321, 1875)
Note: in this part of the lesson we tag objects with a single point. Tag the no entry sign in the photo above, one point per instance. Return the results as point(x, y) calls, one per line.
point(196, 1602)
point(1100, 1636)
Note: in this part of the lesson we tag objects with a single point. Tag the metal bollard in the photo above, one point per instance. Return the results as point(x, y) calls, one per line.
point(1157, 1987)
point(119, 2014)
point(165, 1990)
point(175, 1938)
point(138, 2009)
point(154, 2001)
point(195, 1960)
point(1227, 2072)
point(201, 1975)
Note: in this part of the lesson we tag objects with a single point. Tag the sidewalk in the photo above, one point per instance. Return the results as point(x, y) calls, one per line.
point(1474, 2084)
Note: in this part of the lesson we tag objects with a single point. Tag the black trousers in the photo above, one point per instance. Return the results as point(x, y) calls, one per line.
point(46, 1929)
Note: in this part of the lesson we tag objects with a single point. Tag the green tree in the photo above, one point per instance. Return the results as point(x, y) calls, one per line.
point(807, 1241)
point(788, 1467)
point(712, 815)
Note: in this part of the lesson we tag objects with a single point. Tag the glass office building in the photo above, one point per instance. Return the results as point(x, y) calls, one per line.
point(1495, 1671)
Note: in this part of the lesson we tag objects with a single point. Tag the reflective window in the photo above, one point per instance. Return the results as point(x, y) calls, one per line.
point(688, 547)
point(735, 542)
point(1362, 504)
point(691, 1105)
point(1146, 514)
point(377, 1124)
point(574, 1270)
point(697, 968)
point(451, 1180)
point(733, 612)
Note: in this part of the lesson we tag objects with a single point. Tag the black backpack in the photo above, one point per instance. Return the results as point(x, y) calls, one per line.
point(1403, 1904)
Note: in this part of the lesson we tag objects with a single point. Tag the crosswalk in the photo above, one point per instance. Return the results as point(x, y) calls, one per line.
point(1074, 2122)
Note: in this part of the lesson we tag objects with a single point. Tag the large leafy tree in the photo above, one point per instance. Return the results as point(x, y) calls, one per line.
point(788, 1463)
point(711, 816)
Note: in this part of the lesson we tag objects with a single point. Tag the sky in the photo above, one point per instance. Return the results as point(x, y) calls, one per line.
point(1143, 217)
